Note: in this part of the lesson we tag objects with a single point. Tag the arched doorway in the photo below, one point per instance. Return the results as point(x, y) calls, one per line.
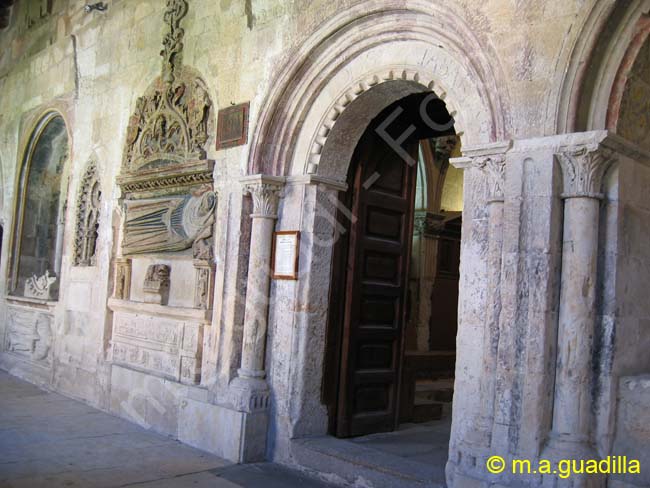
point(378, 366)
point(320, 104)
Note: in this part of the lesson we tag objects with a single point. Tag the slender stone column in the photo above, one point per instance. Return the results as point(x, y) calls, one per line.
point(265, 194)
point(583, 168)
point(249, 392)
point(494, 167)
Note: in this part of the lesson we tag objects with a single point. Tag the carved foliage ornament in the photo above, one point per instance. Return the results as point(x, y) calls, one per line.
point(88, 206)
point(265, 199)
point(173, 40)
point(583, 169)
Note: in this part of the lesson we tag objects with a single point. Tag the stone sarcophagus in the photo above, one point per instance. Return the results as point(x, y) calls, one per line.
point(168, 209)
point(166, 341)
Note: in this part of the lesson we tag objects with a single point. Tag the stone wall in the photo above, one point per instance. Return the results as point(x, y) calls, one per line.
point(502, 68)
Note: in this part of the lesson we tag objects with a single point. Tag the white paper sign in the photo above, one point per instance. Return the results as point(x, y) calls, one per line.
point(286, 255)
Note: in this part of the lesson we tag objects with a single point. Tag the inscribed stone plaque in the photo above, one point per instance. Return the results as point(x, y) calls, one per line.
point(232, 126)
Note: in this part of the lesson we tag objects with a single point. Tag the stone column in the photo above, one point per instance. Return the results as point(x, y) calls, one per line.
point(265, 196)
point(249, 392)
point(494, 169)
point(265, 192)
point(583, 168)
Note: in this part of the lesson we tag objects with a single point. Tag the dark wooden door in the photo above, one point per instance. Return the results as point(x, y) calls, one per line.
point(375, 282)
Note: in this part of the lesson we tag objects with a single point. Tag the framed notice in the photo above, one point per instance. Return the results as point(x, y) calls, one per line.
point(284, 262)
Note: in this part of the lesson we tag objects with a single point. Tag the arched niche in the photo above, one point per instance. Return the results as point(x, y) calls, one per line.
point(39, 218)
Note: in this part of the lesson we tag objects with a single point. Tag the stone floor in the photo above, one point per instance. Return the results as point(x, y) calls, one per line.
point(47, 440)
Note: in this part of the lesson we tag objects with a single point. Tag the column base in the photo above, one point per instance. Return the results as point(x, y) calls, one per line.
point(567, 448)
point(249, 394)
point(250, 397)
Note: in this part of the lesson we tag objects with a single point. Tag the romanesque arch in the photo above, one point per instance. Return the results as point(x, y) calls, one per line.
point(356, 65)
point(364, 47)
point(599, 62)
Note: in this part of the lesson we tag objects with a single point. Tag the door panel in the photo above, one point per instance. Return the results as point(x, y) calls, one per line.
point(375, 288)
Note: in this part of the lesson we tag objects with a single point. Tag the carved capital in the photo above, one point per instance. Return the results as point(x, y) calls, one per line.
point(444, 147)
point(583, 168)
point(495, 168)
point(266, 196)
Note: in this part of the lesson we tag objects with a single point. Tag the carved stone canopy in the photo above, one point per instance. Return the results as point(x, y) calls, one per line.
point(166, 180)
point(167, 135)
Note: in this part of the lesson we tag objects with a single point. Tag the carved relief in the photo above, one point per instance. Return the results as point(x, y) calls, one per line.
point(87, 224)
point(40, 286)
point(156, 284)
point(171, 348)
point(203, 284)
point(122, 288)
point(583, 169)
point(495, 168)
point(166, 180)
point(29, 334)
point(170, 224)
point(173, 40)
point(170, 125)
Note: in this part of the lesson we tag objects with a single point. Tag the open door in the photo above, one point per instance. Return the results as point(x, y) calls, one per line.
point(375, 278)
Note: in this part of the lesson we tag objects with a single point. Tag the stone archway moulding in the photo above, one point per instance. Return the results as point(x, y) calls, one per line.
point(367, 45)
point(588, 85)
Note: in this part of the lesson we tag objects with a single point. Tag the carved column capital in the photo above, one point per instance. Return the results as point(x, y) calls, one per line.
point(494, 167)
point(266, 196)
point(444, 146)
point(583, 168)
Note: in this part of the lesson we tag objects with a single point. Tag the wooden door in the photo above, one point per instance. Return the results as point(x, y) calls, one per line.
point(375, 282)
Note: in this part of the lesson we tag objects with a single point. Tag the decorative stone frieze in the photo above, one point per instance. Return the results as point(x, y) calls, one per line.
point(583, 168)
point(163, 341)
point(156, 284)
point(87, 218)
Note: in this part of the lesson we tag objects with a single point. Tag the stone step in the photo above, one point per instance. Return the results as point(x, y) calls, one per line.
point(347, 463)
